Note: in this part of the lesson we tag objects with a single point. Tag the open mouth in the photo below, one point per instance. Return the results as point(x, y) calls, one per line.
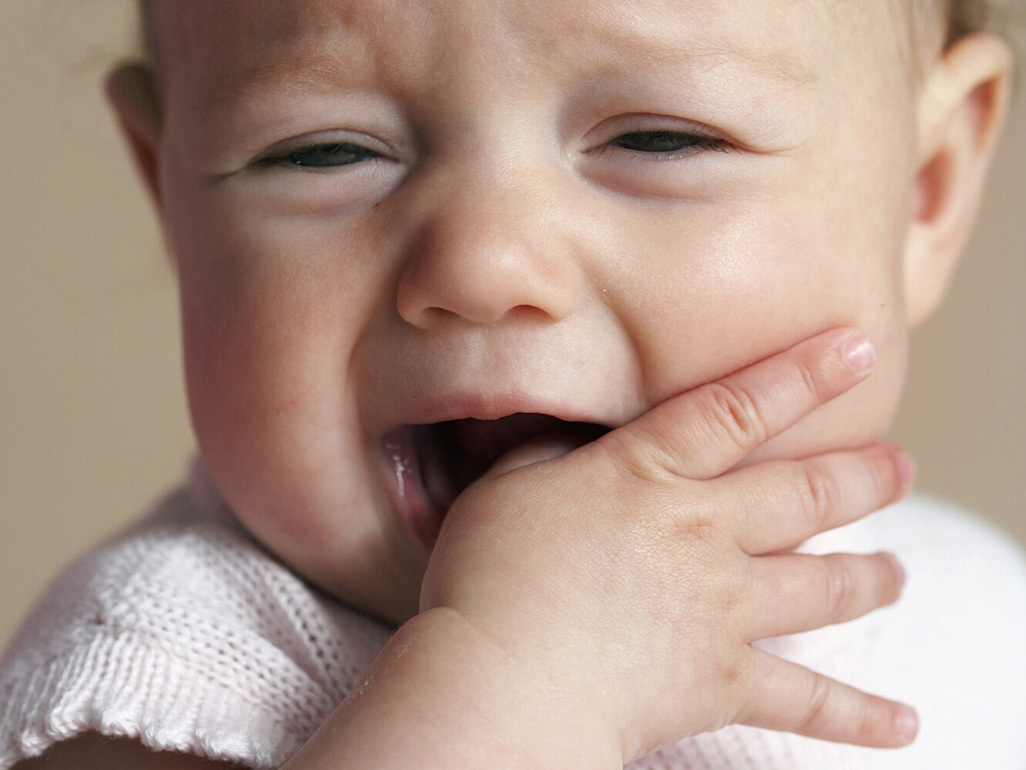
point(433, 463)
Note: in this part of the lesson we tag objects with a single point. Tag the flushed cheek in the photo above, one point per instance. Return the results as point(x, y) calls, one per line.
point(269, 326)
point(264, 392)
point(278, 428)
point(267, 344)
point(759, 279)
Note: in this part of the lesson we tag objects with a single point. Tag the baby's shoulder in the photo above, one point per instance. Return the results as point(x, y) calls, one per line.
point(183, 632)
point(172, 579)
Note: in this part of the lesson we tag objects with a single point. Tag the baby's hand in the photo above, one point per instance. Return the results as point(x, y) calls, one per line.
point(625, 581)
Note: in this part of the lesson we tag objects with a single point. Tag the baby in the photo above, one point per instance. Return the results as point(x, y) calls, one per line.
point(527, 346)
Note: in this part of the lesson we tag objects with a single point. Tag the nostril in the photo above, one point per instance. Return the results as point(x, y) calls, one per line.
point(519, 300)
point(433, 316)
point(528, 313)
point(425, 317)
point(482, 310)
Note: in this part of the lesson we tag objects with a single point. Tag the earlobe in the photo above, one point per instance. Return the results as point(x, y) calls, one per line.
point(132, 93)
point(960, 114)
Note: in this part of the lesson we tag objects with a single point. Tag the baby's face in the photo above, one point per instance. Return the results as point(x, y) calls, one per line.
point(389, 214)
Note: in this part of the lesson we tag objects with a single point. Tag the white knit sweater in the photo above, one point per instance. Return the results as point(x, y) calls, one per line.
point(184, 634)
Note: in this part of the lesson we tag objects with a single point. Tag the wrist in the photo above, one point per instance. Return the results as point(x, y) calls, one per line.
point(518, 688)
point(444, 695)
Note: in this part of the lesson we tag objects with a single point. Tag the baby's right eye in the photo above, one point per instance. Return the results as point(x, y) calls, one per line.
point(320, 156)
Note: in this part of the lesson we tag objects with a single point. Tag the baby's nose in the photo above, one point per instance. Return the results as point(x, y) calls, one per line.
point(489, 257)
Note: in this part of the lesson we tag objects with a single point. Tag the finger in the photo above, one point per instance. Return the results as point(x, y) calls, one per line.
point(785, 503)
point(706, 431)
point(791, 593)
point(788, 697)
point(534, 450)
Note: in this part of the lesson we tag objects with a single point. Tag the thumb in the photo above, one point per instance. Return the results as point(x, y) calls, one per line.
point(548, 446)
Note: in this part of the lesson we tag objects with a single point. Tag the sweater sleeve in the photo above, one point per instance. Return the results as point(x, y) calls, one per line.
point(954, 647)
point(184, 635)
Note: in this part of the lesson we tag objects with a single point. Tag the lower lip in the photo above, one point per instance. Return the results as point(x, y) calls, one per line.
point(423, 517)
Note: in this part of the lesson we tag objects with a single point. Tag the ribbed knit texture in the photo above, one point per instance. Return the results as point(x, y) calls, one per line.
point(184, 634)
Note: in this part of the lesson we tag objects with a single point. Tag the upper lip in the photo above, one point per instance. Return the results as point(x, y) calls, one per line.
point(491, 407)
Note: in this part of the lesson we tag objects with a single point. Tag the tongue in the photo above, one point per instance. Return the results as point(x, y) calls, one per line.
point(534, 450)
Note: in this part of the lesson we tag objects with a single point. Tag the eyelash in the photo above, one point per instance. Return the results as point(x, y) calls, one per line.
point(674, 144)
point(681, 145)
point(300, 157)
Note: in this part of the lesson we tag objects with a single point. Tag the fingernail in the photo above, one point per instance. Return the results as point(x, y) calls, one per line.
point(858, 353)
point(906, 724)
point(906, 471)
point(904, 466)
point(899, 570)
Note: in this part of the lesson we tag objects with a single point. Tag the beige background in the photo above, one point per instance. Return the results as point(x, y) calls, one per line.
point(92, 414)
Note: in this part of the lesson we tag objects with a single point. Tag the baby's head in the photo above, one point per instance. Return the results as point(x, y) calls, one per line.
point(387, 214)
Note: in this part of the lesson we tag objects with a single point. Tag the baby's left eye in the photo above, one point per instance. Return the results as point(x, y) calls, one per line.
point(671, 143)
point(321, 156)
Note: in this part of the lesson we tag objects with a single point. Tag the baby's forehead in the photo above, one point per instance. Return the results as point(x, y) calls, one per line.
point(791, 39)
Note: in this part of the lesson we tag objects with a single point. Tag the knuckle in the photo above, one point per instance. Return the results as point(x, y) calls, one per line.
point(819, 495)
point(732, 590)
point(735, 412)
point(637, 457)
point(705, 545)
point(812, 380)
point(737, 671)
point(696, 531)
point(868, 720)
point(814, 715)
point(840, 587)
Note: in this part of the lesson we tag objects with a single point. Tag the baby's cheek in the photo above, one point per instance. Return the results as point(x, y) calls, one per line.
point(281, 441)
point(855, 419)
point(774, 299)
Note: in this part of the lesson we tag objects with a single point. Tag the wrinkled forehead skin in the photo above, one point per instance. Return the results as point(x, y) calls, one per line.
point(232, 42)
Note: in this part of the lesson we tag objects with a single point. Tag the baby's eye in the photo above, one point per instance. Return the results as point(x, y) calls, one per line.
point(652, 156)
point(669, 143)
point(320, 156)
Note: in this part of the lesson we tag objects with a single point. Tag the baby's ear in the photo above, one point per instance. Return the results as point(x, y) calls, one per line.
point(961, 110)
point(132, 92)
